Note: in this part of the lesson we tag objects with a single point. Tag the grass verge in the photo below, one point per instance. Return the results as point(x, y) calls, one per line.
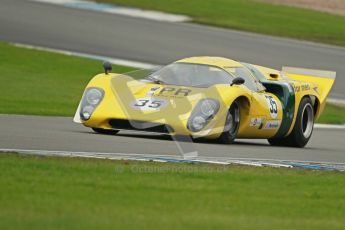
point(43, 83)
point(73, 193)
point(332, 114)
point(254, 16)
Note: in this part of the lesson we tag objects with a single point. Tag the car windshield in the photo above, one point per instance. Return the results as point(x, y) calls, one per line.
point(186, 74)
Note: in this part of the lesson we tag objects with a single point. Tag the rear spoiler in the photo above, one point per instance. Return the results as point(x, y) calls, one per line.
point(309, 72)
point(323, 79)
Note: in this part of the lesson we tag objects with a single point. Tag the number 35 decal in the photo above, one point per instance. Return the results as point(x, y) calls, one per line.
point(148, 104)
point(272, 105)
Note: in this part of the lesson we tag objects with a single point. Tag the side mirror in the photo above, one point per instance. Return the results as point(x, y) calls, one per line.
point(274, 75)
point(237, 81)
point(107, 67)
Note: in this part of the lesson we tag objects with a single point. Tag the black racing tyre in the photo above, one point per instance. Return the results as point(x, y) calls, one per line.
point(232, 124)
point(105, 131)
point(303, 128)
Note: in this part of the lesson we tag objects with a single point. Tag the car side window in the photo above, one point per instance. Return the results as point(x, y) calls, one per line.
point(257, 74)
point(248, 79)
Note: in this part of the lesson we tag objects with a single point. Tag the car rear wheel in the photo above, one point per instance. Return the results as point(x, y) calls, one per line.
point(105, 131)
point(303, 128)
point(232, 123)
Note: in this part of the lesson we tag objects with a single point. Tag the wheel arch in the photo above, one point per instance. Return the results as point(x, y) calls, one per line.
point(244, 111)
point(315, 102)
point(317, 106)
point(244, 103)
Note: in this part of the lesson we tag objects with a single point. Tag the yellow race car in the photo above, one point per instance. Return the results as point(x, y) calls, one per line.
point(209, 97)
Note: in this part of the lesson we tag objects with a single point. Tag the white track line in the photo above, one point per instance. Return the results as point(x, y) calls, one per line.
point(129, 63)
point(116, 61)
point(176, 159)
point(328, 126)
point(120, 10)
point(336, 101)
point(140, 156)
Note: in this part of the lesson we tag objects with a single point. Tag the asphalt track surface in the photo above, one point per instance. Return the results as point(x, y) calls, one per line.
point(58, 133)
point(157, 42)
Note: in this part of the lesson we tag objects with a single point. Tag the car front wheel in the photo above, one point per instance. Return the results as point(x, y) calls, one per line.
point(232, 123)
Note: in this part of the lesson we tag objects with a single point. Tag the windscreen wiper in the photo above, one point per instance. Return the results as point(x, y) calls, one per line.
point(155, 80)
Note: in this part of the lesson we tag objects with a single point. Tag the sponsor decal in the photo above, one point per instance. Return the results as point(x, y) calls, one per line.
point(272, 105)
point(316, 89)
point(171, 91)
point(302, 87)
point(297, 88)
point(261, 125)
point(305, 87)
point(272, 124)
point(152, 91)
point(148, 104)
point(256, 122)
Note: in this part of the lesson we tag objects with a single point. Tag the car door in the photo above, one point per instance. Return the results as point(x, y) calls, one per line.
point(273, 102)
point(265, 108)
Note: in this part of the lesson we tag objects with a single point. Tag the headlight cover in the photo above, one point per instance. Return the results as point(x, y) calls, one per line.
point(93, 96)
point(209, 107)
point(203, 112)
point(91, 99)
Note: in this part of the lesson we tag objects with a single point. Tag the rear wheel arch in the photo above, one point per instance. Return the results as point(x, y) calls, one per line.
point(302, 128)
point(316, 106)
point(315, 102)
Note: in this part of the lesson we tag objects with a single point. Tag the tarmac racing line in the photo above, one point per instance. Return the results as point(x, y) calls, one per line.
point(59, 135)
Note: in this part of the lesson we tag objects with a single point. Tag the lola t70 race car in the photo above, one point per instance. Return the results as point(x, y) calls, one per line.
point(209, 97)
